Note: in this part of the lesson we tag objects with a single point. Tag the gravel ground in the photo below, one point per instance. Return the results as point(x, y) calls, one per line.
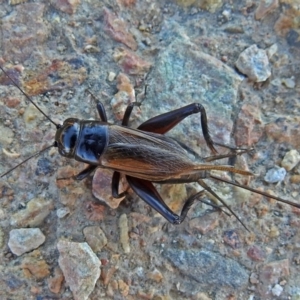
point(63, 239)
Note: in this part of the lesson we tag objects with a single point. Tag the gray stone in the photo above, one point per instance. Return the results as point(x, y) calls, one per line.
point(254, 63)
point(34, 214)
point(24, 240)
point(275, 174)
point(80, 266)
point(208, 268)
point(184, 74)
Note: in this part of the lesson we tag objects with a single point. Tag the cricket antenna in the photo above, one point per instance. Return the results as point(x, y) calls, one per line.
point(28, 98)
point(28, 158)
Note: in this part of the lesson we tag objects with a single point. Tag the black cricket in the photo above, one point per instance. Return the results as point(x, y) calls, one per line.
point(144, 155)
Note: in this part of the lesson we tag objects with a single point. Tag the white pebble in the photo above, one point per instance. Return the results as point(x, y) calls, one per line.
point(277, 290)
point(274, 175)
point(254, 63)
point(290, 160)
point(62, 212)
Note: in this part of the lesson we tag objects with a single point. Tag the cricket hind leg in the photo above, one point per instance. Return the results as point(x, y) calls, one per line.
point(165, 122)
point(146, 191)
point(232, 154)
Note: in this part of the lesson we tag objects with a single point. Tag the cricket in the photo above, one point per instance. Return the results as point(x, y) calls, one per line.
point(145, 155)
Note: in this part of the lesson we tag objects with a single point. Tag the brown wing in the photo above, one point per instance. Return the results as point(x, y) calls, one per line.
point(145, 155)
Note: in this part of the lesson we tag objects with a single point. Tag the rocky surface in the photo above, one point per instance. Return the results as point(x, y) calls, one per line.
point(239, 59)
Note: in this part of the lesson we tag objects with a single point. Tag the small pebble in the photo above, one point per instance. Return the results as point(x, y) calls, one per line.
point(295, 179)
point(35, 266)
point(226, 14)
point(254, 278)
point(124, 237)
point(111, 76)
point(206, 223)
point(289, 82)
point(155, 275)
point(6, 136)
point(123, 288)
point(274, 175)
point(231, 238)
point(254, 63)
point(290, 160)
point(55, 282)
point(272, 50)
point(256, 253)
point(265, 7)
point(32, 116)
point(277, 290)
point(95, 237)
point(24, 240)
point(62, 212)
point(34, 214)
point(1, 237)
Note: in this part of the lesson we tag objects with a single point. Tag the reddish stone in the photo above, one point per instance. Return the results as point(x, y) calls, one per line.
point(206, 223)
point(127, 2)
point(296, 210)
point(117, 29)
point(64, 74)
point(123, 288)
point(55, 282)
point(12, 102)
point(13, 73)
point(271, 273)
point(104, 261)
point(107, 273)
point(123, 97)
point(285, 130)
point(23, 31)
point(35, 266)
point(125, 85)
point(64, 176)
point(94, 211)
point(248, 126)
point(256, 253)
point(130, 62)
point(101, 188)
point(66, 6)
point(264, 8)
point(232, 239)
point(287, 21)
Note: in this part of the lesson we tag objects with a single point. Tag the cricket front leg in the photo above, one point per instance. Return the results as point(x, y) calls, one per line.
point(85, 173)
point(115, 185)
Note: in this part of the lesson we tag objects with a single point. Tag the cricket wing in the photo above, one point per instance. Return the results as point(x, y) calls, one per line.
point(145, 162)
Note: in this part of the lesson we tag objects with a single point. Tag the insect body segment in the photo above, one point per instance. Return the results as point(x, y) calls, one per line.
point(82, 140)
